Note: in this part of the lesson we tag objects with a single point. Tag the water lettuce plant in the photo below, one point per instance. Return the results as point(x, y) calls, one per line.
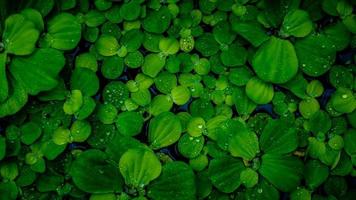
point(178, 99)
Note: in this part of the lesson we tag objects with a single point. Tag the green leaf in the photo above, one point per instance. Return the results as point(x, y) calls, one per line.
point(112, 67)
point(190, 147)
point(17, 99)
point(86, 60)
point(2, 147)
point(118, 145)
point(164, 129)
point(39, 71)
point(85, 80)
point(94, 18)
point(139, 167)
point(20, 35)
point(107, 45)
point(320, 122)
point(4, 89)
point(92, 167)
point(157, 21)
point(61, 136)
point(115, 93)
point(80, 131)
point(177, 182)
point(297, 24)
point(338, 35)
point(279, 137)
point(283, 171)
point(244, 142)
point(130, 10)
point(129, 123)
point(315, 54)
point(86, 109)
point(180, 95)
point(169, 46)
point(30, 132)
point(350, 145)
point(73, 103)
point(249, 177)
point(106, 113)
point(43, 6)
point(34, 16)
point(343, 100)
point(63, 32)
point(315, 173)
point(244, 105)
point(276, 10)
point(276, 61)
point(207, 45)
point(8, 190)
point(262, 191)
point(153, 64)
point(224, 173)
point(234, 55)
point(159, 104)
point(259, 91)
point(223, 34)
point(250, 30)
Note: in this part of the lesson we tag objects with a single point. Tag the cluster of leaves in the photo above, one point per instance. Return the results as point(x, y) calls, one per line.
point(177, 99)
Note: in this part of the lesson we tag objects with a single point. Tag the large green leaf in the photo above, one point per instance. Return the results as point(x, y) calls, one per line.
point(20, 35)
point(39, 71)
point(177, 182)
point(315, 54)
point(139, 166)
point(315, 173)
point(164, 130)
point(276, 61)
point(224, 173)
point(283, 171)
point(279, 137)
point(91, 172)
point(17, 99)
point(244, 142)
point(63, 32)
